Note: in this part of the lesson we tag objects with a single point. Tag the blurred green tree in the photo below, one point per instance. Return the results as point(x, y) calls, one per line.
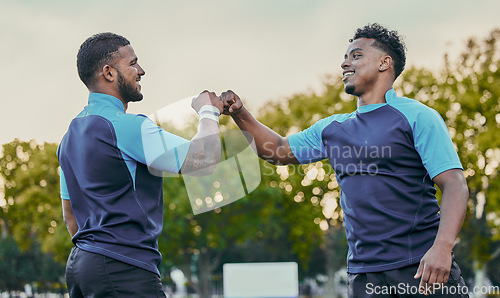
point(32, 206)
point(30, 212)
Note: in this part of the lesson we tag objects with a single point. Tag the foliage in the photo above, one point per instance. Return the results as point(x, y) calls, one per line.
point(32, 266)
point(32, 209)
point(33, 233)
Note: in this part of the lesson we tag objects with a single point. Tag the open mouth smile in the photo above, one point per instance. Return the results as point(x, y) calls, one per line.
point(347, 74)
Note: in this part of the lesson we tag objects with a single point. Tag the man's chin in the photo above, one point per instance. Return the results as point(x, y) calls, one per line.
point(135, 98)
point(138, 98)
point(349, 89)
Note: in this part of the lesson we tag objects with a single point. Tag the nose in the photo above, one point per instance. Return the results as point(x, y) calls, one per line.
point(141, 71)
point(345, 64)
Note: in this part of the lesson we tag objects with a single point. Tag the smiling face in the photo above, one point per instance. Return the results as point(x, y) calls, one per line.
point(129, 74)
point(362, 66)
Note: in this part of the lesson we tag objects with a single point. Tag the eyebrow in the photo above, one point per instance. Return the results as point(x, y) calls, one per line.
point(353, 50)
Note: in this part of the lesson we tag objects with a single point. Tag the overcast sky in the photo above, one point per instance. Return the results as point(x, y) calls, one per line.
point(262, 49)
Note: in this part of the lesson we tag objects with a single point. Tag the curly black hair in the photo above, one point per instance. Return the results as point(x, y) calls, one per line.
point(386, 40)
point(97, 50)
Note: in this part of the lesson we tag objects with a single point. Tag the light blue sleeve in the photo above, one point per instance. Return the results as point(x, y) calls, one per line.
point(144, 141)
point(431, 137)
point(307, 145)
point(434, 144)
point(64, 187)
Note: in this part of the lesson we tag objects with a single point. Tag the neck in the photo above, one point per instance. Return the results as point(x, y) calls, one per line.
point(111, 92)
point(375, 96)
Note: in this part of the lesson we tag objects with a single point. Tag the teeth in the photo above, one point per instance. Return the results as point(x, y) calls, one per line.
point(348, 74)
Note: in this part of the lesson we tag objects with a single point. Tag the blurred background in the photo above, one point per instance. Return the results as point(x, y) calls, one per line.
point(283, 58)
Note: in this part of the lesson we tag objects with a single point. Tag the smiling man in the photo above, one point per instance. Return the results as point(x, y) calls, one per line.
point(112, 203)
point(387, 156)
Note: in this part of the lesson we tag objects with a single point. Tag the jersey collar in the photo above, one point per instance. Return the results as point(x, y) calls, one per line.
point(389, 96)
point(102, 99)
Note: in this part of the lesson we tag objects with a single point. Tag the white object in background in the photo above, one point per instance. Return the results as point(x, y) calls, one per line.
point(261, 280)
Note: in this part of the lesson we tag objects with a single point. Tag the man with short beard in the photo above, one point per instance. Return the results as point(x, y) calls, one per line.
point(112, 200)
point(387, 155)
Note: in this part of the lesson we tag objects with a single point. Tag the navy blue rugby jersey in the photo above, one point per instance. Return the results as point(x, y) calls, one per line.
point(385, 157)
point(117, 202)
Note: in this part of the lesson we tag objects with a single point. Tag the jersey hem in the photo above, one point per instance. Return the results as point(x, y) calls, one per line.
point(117, 256)
point(445, 168)
point(384, 267)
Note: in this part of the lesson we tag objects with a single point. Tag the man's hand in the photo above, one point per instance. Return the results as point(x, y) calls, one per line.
point(207, 98)
point(232, 102)
point(434, 268)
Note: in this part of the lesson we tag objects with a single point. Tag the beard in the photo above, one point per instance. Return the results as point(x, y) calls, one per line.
point(128, 91)
point(349, 89)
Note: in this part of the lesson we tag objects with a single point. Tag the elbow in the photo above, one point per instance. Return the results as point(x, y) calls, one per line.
point(465, 190)
point(462, 185)
point(211, 158)
point(274, 162)
point(457, 186)
point(202, 165)
point(210, 165)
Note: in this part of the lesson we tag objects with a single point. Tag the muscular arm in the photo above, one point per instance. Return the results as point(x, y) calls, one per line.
point(436, 263)
point(271, 147)
point(453, 206)
point(204, 151)
point(69, 218)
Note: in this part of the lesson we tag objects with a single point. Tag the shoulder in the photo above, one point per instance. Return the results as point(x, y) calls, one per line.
point(412, 109)
point(333, 118)
point(124, 120)
point(130, 127)
point(315, 131)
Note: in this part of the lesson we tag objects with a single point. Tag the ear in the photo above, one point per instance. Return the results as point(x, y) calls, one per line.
point(385, 63)
point(109, 73)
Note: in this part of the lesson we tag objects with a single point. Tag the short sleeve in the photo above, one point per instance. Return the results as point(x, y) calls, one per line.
point(63, 185)
point(307, 145)
point(434, 144)
point(145, 142)
point(163, 150)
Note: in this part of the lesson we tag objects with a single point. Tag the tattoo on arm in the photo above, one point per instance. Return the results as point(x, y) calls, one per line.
point(196, 162)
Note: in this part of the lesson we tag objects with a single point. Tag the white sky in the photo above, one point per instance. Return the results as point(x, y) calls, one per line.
point(262, 49)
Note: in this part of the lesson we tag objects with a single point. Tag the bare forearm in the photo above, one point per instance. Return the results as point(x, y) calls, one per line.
point(69, 218)
point(72, 227)
point(271, 147)
point(204, 151)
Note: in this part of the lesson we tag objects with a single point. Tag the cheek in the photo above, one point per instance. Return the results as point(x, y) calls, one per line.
point(368, 69)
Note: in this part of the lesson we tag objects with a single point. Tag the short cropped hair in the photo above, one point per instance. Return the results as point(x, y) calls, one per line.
point(386, 40)
point(95, 52)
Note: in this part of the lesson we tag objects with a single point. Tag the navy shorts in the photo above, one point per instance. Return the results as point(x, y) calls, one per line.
point(94, 275)
point(400, 283)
